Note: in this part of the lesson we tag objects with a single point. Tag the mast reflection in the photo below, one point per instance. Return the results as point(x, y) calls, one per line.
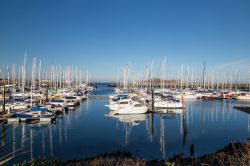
point(128, 121)
point(184, 132)
point(162, 136)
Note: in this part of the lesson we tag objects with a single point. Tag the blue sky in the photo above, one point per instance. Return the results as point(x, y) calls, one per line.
point(102, 36)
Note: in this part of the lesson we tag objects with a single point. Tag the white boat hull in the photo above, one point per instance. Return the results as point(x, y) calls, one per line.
point(19, 107)
point(168, 104)
point(131, 110)
point(113, 107)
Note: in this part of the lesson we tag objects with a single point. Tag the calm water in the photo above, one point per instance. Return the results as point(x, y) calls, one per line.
point(87, 131)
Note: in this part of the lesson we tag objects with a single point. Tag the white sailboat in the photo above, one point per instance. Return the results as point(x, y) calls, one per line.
point(166, 103)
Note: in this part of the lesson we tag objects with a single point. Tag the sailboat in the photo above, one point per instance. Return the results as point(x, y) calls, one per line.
point(166, 103)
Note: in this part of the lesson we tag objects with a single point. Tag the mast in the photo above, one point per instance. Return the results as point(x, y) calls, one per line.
point(203, 79)
point(33, 79)
point(19, 78)
point(14, 75)
point(39, 75)
point(181, 75)
point(249, 79)
point(3, 99)
point(163, 74)
point(8, 74)
point(87, 78)
point(24, 74)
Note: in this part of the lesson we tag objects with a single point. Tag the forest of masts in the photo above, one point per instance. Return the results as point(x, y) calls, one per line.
point(54, 76)
point(184, 78)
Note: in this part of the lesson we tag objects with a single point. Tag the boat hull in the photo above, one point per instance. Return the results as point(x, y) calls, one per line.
point(131, 110)
point(170, 105)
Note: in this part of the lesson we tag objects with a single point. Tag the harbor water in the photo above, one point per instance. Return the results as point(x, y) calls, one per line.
point(90, 130)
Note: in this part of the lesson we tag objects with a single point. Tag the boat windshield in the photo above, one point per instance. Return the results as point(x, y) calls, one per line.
point(138, 105)
point(124, 102)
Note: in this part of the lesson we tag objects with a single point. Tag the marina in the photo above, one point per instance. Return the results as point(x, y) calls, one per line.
point(110, 83)
point(91, 129)
point(64, 115)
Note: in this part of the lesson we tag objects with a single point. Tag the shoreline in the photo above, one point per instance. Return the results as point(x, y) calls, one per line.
point(232, 154)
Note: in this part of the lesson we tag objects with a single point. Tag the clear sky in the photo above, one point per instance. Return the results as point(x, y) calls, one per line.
point(102, 36)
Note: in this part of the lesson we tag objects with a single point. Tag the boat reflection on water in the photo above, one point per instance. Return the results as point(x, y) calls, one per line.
point(169, 114)
point(128, 120)
point(133, 119)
